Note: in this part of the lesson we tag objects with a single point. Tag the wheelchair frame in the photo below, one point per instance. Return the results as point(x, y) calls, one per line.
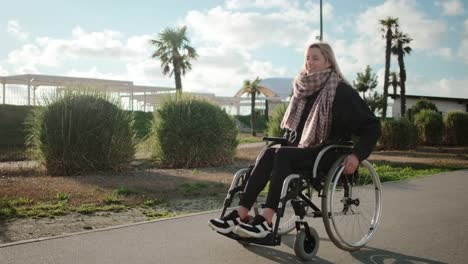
point(292, 189)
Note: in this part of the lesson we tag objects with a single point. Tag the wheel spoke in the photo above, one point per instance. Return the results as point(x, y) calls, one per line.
point(354, 226)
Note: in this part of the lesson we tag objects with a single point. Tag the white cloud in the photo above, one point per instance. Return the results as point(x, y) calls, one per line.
point(368, 48)
point(251, 30)
point(95, 73)
point(463, 50)
point(146, 72)
point(97, 45)
point(445, 53)
point(426, 33)
point(445, 87)
point(105, 45)
point(227, 39)
point(221, 71)
point(451, 7)
point(3, 71)
point(15, 29)
point(242, 4)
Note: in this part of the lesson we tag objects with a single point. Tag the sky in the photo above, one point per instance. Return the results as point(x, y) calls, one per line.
point(236, 40)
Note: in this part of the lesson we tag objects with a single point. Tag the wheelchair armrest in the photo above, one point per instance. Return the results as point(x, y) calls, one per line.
point(276, 140)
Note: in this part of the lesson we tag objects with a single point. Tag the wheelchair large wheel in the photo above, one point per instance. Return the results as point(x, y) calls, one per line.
point(351, 205)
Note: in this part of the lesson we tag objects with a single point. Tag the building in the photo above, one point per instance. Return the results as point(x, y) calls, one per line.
point(444, 104)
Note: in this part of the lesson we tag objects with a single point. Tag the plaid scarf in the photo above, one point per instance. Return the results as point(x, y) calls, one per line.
point(318, 123)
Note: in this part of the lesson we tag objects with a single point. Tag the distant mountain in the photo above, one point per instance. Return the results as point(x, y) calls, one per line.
point(281, 86)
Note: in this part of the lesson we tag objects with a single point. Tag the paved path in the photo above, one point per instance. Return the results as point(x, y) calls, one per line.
point(424, 221)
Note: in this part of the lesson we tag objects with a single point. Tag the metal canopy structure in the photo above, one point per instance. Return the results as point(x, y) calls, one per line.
point(143, 97)
point(61, 83)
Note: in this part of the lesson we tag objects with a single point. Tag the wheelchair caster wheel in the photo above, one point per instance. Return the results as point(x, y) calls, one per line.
point(304, 247)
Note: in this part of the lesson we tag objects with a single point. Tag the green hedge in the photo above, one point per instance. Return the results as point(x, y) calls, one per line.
point(12, 128)
point(456, 125)
point(398, 134)
point(430, 127)
point(260, 121)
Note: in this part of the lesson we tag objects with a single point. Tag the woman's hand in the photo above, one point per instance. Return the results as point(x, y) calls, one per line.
point(350, 163)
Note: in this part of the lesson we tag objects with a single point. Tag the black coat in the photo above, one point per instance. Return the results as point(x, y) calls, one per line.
point(350, 116)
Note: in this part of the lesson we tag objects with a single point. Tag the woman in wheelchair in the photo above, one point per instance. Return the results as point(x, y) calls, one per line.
point(324, 107)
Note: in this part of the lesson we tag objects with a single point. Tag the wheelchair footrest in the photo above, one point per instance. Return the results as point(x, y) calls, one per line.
point(269, 240)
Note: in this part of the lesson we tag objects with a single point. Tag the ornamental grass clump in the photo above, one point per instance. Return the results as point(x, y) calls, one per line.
point(188, 132)
point(274, 124)
point(81, 132)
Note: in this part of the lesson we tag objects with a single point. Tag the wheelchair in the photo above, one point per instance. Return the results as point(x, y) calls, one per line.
point(350, 204)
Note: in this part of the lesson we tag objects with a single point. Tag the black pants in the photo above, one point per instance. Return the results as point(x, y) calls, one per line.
point(275, 164)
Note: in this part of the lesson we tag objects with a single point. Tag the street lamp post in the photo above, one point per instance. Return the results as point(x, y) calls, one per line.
point(321, 24)
point(320, 37)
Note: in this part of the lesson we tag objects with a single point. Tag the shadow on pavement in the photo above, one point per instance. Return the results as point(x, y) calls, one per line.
point(365, 255)
point(380, 256)
point(280, 256)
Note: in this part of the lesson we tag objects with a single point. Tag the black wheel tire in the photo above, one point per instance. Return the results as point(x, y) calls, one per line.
point(326, 217)
point(304, 248)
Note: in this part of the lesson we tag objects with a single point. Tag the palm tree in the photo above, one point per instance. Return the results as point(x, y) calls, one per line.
point(174, 50)
point(253, 89)
point(365, 81)
point(400, 48)
point(389, 25)
point(394, 82)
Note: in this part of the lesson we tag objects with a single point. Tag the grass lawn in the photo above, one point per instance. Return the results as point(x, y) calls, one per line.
point(248, 138)
point(155, 190)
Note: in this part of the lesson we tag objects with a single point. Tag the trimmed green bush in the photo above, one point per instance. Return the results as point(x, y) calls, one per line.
point(273, 125)
point(398, 134)
point(13, 131)
point(189, 132)
point(81, 132)
point(456, 127)
point(420, 105)
point(430, 127)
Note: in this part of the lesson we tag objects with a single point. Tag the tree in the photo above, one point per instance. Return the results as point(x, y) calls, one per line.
point(389, 26)
point(400, 47)
point(365, 81)
point(374, 101)
point(252, 88)
point(174, 50)
point(394, 82)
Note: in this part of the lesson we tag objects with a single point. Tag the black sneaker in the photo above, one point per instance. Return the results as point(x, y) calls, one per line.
point(258, 228)
point(225, 224)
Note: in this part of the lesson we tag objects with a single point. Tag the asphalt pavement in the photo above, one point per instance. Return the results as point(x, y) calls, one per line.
point(424, 220)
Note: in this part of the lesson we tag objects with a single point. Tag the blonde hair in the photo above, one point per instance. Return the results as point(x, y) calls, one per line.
point(327, 52)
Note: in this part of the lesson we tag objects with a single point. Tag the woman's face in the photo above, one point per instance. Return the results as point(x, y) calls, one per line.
point(315, 61)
